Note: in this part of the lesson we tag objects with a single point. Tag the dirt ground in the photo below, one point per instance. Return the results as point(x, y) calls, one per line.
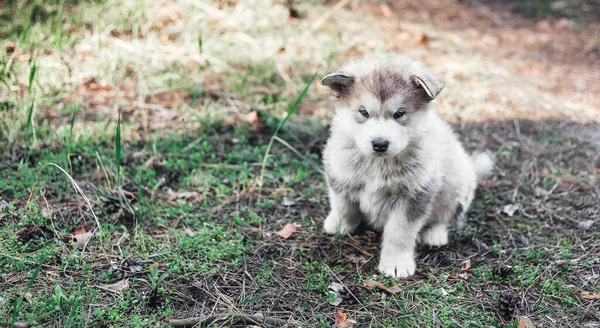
point(159, 114)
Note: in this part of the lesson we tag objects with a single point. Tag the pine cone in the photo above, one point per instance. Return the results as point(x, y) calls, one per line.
point(508, 305)
point(502, 270)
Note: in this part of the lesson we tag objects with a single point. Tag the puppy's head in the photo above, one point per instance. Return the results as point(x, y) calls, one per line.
point(381, 101)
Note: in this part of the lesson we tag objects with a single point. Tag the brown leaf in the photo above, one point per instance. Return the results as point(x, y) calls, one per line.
point(524, 322)
point(422, 38)
point(254, 120)
point(189, 232)
point(342, 321)
point(28, 297)
point(190, 196)
point(160, 265)
point(117, 287)
point(287, 231)
point(465, 265)
point(463, 276)
point(590, 296)
point(369, 284)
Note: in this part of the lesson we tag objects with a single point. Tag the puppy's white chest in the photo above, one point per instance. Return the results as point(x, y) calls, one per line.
point(376, 203)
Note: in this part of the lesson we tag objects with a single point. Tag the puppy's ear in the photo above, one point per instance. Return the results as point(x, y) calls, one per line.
point(426, 81)
point(340, 83)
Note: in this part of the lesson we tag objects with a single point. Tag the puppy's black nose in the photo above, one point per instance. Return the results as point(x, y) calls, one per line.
point(380, 145)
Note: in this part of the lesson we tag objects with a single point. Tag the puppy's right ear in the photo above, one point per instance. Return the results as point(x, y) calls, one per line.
point(340, 83)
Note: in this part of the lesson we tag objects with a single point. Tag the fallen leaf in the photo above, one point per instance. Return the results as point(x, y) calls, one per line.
point(189, 232)
point(524, 322)
point(160, 265)
point(342, 321)
point(422, 38)
point(288, 201)
point(510, 209)
point(586, 224)
point(463, 276)
point(369, 284)
point(254, 120)
point(28, 297)
point(465, 265)
point(184, 195)
point(335, 290)
point(117, 287)
point(81, 239)
point(590, 296)
point(287, 231)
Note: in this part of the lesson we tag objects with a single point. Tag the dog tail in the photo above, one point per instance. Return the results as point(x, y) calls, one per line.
point(484, 161)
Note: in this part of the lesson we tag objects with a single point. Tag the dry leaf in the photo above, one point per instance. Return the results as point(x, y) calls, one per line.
point(28, 297)
point(81, 239)
point(335, 290)
point(287, 231)
point(254, 120)
point(590, 296)
point(184, 195)
point(369, 284)
point(189, 232)
point(117, 287)
point(160, 265)
point(385, 10)
point(342, 321)
point(510, 209)
point(422, 38)
point(524, 322)
point(463, 276)
point(465, 265)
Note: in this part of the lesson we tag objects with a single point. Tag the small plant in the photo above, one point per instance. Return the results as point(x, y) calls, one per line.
point(155, 279)
point(289, 113)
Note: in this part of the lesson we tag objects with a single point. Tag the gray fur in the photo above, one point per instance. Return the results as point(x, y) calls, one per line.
point(421, 177)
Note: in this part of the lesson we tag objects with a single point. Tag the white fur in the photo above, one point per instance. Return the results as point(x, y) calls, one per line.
point(412, 192)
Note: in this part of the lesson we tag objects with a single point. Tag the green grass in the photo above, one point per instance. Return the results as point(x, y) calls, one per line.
point(180, 214)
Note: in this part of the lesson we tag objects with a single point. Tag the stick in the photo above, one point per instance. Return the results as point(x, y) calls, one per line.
point(198, 321)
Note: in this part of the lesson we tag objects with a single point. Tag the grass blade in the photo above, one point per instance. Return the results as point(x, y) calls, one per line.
point(289, 113)
point(36, 273)
point(59, 15)
point(118, 153)
point(32, 76)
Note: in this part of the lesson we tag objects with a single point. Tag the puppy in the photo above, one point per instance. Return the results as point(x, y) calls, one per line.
point(392, 162)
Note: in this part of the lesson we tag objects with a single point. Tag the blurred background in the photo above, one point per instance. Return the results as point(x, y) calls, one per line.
point(534, 59)
point(149, 172)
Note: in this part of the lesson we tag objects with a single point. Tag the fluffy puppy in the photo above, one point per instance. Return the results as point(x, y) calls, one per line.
point(392, 162)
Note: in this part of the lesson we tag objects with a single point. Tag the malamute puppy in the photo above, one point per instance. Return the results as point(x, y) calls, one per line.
point(393, 162)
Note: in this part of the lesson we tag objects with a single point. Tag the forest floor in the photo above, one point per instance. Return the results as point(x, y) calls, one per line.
point(133, 190)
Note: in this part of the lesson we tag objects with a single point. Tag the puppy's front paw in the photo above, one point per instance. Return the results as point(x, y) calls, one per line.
point(435, 236)
point(400, 264)
point(335, 223)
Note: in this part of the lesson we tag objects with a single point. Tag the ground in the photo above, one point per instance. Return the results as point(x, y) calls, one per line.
point(139, 185)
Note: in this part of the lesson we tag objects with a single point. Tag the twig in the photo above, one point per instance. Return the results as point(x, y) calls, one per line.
point(328, 14)
point(199, 321)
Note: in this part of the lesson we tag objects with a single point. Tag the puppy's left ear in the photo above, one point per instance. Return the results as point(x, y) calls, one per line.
point(340, 83)
point(428, 82)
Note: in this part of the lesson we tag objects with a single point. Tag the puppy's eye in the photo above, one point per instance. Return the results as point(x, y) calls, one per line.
point(363, 112)
point(399, 114)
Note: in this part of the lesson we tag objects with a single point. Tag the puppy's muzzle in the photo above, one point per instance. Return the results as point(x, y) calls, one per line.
point(380, 145)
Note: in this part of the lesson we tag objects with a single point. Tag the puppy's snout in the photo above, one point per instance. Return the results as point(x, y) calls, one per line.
point(380, 145)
